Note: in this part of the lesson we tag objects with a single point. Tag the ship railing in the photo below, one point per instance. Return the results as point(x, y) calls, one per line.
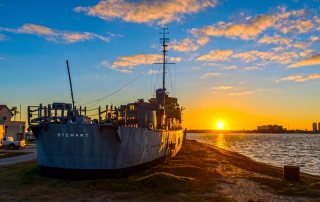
point(118, 116)
point(47, 114)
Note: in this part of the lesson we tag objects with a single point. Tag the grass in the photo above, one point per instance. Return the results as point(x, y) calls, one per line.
point(193, 175)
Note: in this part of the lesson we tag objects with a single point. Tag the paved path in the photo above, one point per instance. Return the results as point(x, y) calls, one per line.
point(22, 158)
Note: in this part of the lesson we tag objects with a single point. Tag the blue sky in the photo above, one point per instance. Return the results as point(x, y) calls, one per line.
point(247, 62)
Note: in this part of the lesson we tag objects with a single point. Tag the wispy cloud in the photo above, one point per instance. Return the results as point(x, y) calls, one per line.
point(282, 58)
point(300, 78)
point(249, 92)
point(210, 75)
point(2, 37)
point(251, 68)
point(314, 38)
point(126, 64)
point(231, 67)
point(250, 30)
point(215, 88)
point(2, 58)
point(189, 44)
point(152, 71)
point(312, 60)
point(300, 26)
point(54, 34)
point(276, 39)
point(306, 52)
point(159, 12)
point(216, 55)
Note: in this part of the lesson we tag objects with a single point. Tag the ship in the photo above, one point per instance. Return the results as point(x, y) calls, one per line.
point(119, 141)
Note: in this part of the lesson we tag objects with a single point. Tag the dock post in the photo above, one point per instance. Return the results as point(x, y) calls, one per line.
point(99, 113)
point(291, 173)
point(40, 111)
point(29, 115)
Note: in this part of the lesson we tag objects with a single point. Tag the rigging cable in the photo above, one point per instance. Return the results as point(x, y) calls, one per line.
point(112, 93)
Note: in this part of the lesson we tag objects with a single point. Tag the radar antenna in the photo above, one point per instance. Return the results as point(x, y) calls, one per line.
point(164, 40)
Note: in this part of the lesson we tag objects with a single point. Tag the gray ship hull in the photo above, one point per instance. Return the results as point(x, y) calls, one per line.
point(91, 151)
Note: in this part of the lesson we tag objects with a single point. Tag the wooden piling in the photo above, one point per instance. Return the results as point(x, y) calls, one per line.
point(291, 173)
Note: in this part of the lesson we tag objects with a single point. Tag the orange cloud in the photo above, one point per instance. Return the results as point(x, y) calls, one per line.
point(210, 75)
point(312, 60)
point(222, 87)
point(282, 58)
point(305, 53)
point(300, 45)
point(249, 92)
point(314, 38)
point(300, 78)
point(278, 49)
point(216, 55)
point(188, 44)
point(301, 26)
point(55, 35)
point(250, 30)
point(36, 29)
point(276, 39)
point(125, 64)
point(160, 12)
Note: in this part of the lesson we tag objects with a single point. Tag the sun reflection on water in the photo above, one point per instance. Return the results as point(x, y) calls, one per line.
point(221, 142)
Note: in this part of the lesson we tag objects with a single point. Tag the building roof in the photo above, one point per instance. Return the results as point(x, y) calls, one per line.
point(5, 107)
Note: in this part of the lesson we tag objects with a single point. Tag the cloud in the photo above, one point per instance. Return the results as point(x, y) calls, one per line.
point(246, 92)
point(278, 49)
point(54, 34)
point(2, 37)
point(36, 29)
point(216, 55)
point(127, 63)
point(314, 38)
point(282, 58)
point(276, 39)
point(159, 12)
point(246, 31)
point(300, 78)
point(188, 44)
point(231, 67)
point(300, 26)
point(151, 71)
point(305, 52)
point(300, 45)
point(312, 60)
point(222, 87)
point(2, 58)
point(210, 75)
point(250, 68)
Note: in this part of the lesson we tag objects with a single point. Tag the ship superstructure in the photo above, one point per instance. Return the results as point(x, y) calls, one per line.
point(117, 141)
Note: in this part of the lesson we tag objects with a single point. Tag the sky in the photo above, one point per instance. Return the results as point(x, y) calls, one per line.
point(246, 63)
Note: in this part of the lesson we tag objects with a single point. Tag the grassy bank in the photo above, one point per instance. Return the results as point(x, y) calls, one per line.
point(198, 172)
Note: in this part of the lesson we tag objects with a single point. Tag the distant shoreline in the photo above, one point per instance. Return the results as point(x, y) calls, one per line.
point(250, 131)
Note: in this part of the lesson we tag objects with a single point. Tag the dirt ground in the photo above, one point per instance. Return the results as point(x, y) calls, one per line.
point(199, 172)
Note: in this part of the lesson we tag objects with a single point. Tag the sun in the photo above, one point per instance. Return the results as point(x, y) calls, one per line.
point(220, 125)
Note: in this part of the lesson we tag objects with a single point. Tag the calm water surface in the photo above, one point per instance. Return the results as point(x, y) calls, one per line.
point(275, 149)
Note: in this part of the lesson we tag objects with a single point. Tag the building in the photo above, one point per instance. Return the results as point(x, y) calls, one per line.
point(270, 128)
point(314, 127)
point(10, 128)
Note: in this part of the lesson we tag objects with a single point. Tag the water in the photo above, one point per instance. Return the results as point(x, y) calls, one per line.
point(276, 149)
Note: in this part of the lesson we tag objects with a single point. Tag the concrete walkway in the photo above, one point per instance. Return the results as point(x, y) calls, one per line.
point(18, 159)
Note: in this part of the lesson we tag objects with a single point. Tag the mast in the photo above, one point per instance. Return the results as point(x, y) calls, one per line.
point(70, 82)
point(164, 40)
